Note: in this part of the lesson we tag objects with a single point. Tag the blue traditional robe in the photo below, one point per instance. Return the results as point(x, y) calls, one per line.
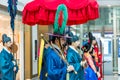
point(90, 74)
point(43, 73)
point(74, 58)
point(7, 66)
point(56, 67)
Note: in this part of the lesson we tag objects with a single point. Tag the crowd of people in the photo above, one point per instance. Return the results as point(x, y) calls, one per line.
point(62, 59)
point(80, 66)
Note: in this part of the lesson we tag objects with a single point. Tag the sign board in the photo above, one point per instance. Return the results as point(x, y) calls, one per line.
point(107, 44)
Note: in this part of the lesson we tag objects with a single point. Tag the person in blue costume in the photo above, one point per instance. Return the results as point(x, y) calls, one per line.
point(74, 58)
point(90, 69)
point(8, 66)
point(57, 68)
point(43, 74)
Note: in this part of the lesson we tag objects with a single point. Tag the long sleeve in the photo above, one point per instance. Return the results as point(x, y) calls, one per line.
point(74, 59)
point(71, 61)
point(56, 68)
point(90, 62)
point(12, 58)
point(6, 68)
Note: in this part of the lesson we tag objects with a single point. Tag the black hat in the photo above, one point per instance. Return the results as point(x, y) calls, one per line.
point(91, 37)
point(53, 36)
point(86, 47)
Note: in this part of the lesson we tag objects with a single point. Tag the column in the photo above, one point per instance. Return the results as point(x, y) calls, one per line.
point(28, 52)
point(115, 57)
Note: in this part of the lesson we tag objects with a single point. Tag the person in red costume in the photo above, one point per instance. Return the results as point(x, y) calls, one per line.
point(97, 56)
point(98, 59)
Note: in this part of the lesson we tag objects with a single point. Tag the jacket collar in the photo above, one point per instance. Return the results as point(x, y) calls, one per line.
point(73, 49)
point(6, 49)
point(56, 47)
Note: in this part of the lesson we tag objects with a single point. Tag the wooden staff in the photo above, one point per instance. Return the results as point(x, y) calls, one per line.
point(13, 53)
point(57, 52)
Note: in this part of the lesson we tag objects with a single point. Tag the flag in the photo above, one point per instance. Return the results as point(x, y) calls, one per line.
point(40, 56)
point(12, 9)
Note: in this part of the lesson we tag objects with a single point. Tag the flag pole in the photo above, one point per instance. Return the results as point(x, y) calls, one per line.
point(14, 52)
point(12, 9)
point(40, 54)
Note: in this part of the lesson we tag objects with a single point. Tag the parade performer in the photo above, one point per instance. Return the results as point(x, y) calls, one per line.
point(8, 65)
point(56, 65)
point(90, 70)
point(97, 56)
point(73, 57)
point(98, 59)
point(57, 69)
point(89, 59)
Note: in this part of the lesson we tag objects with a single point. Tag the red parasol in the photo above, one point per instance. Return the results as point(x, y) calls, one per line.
point(43, 11)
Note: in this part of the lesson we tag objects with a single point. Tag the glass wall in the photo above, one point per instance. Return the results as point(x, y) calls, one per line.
point(104, 24)
point(107, 28)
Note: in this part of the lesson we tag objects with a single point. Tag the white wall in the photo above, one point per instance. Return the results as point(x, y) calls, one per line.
point(21, 52)
point(21, 3)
